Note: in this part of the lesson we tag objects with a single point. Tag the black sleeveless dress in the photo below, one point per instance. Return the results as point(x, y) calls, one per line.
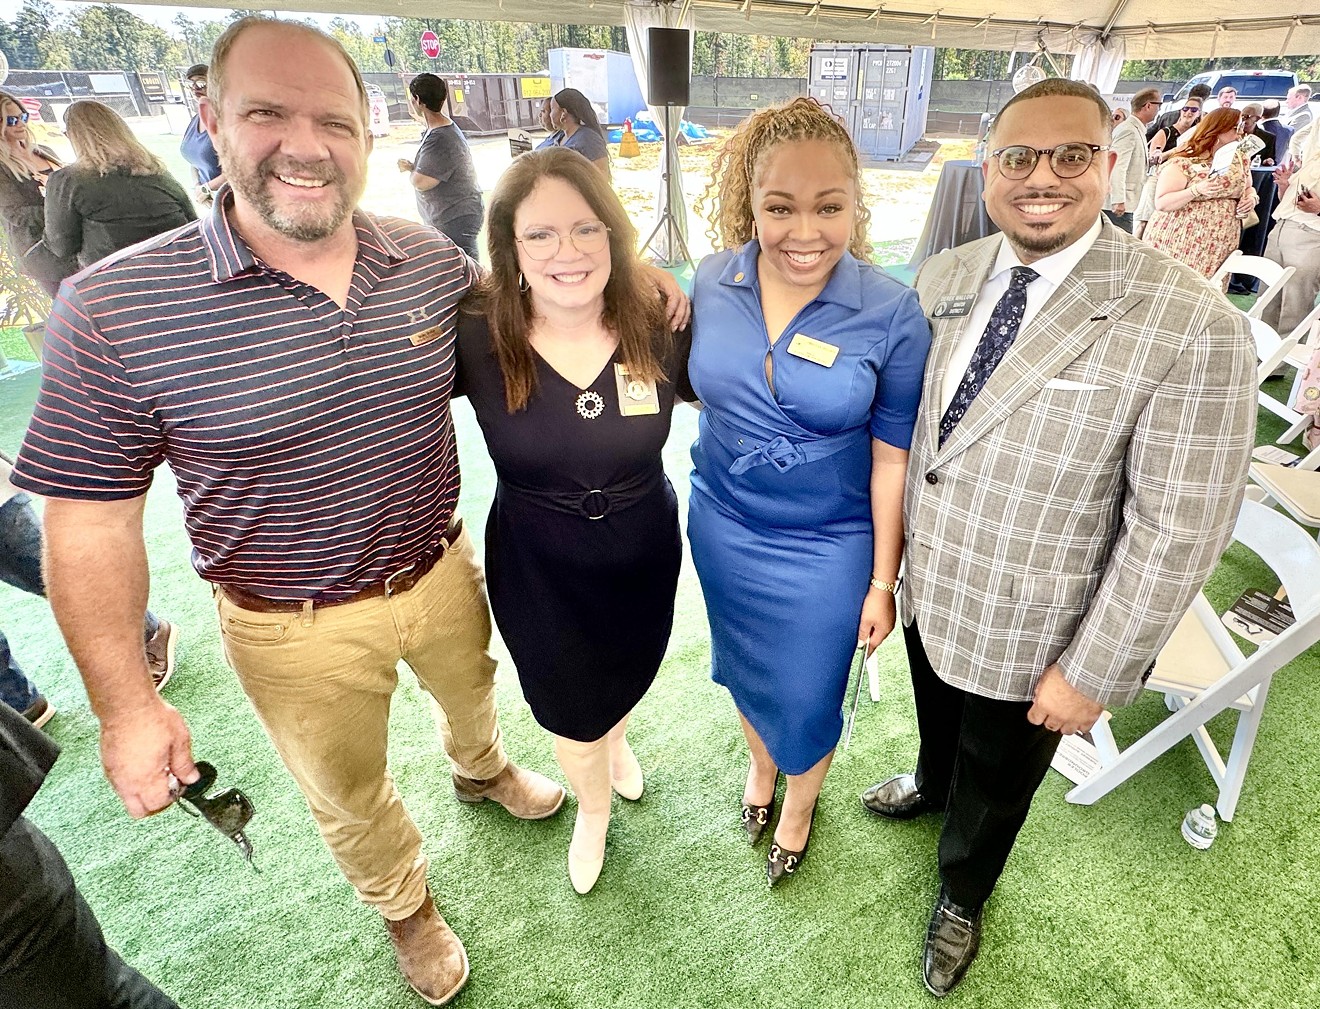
point(582, 543)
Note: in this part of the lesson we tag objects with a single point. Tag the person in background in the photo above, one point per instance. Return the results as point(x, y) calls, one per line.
point(1270, 123)
point(448, 196)
point(115, 195)
point(20, 566)
point(808, 361)
point(1120, 115)
point(1297, 112)
point(1198, 216)
point(569, 363)
point(1063, 507)
point(1295, 238)
point(555, 136)
point(1129, 145)
point(573, 114)
point(197, 147)
point(1250, 127)
point(52, 952)
point(1200, 92)
point(1160, 145)
point(1226, 97)
point(24, 169)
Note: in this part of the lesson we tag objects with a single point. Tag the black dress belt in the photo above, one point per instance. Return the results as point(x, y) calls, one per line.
point(593, 504)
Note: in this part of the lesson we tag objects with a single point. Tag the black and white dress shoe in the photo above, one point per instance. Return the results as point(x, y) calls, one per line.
point(953, 939)
point(897, 799)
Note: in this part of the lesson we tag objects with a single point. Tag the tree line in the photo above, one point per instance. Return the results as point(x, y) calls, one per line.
point(106, 37)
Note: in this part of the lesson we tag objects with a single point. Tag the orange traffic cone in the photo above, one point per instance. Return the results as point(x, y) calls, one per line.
point(628, 142)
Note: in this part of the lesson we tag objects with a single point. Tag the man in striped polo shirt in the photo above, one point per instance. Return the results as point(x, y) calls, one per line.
point(292, 360)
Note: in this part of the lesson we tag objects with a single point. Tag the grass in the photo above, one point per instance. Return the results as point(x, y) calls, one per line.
point(1101, 906)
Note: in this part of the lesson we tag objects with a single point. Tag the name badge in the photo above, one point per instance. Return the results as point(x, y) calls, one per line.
point(813, 350)
point(954, 308)
point(426, 336)
point(636, 398)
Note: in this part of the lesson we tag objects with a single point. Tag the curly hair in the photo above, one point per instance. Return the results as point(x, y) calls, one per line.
point(727, 201)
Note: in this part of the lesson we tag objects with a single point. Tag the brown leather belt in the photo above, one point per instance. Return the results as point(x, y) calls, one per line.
point(401, 581)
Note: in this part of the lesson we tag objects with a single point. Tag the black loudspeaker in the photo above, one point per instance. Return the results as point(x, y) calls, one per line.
point(670, 62)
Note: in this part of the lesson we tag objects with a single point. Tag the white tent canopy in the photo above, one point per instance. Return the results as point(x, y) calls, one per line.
point(1150, 29)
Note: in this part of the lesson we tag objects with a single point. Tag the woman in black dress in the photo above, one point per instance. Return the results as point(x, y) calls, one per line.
point(566, 356)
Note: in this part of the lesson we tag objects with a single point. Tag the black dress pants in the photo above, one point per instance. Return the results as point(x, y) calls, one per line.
point(982, 761)
point(52, 952)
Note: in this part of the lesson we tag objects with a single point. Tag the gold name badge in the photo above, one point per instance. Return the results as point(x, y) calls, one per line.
point(636, 398)
point(815, 351)
point(426, 336)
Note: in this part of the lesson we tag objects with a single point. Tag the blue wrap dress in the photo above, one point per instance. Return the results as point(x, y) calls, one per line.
point(779, 519)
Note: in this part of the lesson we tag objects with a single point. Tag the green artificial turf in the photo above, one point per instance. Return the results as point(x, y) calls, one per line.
point(1103, 907)
point(14, 345)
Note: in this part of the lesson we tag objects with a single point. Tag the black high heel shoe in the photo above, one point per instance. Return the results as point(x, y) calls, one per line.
point(782, 862)
point(756, 818)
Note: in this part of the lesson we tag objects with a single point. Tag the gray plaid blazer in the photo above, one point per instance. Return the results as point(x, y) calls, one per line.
point(1083, 500)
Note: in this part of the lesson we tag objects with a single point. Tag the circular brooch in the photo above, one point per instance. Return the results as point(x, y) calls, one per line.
point(590, 405)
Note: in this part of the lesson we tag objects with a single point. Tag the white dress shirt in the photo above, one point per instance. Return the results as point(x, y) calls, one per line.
point(1052, 269)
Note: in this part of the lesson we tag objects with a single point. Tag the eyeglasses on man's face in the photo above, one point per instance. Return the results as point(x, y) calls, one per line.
point(542, 243)
point(198, 86)
point(1067, 161)
point(22, 117)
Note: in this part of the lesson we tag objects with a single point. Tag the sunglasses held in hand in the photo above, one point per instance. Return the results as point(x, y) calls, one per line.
point(228, 810)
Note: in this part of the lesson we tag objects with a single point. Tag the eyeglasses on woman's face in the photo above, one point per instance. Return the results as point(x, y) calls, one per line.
point(1067, 161)
point(588, 237)
point(22, 117)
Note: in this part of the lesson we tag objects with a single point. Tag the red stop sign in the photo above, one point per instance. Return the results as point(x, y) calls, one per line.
point(430, 45)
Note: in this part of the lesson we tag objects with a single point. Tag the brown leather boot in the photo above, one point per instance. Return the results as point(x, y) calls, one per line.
point(430, 955)
point(525, 794)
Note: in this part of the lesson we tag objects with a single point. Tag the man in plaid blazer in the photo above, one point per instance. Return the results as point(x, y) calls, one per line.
point(1058, 529)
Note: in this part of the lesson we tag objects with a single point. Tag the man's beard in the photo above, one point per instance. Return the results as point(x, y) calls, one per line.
point(1040, 242)
point(302, 224)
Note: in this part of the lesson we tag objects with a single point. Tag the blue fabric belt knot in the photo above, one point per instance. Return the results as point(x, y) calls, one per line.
point(779, 452)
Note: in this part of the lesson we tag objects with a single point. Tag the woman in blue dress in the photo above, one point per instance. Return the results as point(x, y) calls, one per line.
point(808, 361)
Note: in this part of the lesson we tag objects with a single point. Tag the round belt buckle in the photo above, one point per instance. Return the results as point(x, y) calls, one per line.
point(595, 505)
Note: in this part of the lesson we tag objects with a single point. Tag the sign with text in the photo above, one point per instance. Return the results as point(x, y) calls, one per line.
point(430, 45)
point(534, 87)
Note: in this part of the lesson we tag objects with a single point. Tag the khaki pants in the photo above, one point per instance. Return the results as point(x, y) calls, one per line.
point(321, 682)
point(1292, 244)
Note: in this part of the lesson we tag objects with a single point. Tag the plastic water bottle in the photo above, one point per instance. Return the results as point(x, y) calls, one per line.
point(978, 155)
point(1199, 827)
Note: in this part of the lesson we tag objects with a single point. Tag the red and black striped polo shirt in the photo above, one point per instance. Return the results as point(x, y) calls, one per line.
point(312, 445)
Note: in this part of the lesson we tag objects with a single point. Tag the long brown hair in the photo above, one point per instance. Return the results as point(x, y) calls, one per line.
point(632, 308)
point(1201, 143)
point(727, 201)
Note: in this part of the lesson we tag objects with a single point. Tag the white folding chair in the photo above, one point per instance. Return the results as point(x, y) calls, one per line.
point(1202, 671)
point(1296, 489)
point(1267, 271)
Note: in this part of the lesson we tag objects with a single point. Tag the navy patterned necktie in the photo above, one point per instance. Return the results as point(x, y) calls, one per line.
point(999, 335)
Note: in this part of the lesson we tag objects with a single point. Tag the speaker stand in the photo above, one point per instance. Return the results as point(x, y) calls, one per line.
point(668, 223)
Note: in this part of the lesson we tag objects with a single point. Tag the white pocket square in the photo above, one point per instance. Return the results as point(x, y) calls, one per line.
point(1071, 386)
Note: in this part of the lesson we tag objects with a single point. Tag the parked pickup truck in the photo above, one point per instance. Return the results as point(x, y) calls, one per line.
point(1251, 86)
